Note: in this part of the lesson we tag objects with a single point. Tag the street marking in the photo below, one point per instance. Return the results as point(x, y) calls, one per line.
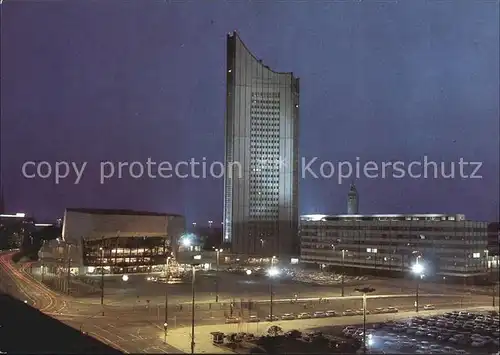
point(107, 331)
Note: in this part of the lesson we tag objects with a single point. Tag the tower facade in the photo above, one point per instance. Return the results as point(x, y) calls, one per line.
point(261, 155)
point(352, 200)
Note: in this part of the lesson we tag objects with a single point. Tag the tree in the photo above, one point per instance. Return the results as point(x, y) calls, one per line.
point(274, 331)
point(294, 334)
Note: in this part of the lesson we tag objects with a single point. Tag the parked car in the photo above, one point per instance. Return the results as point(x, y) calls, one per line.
point(349, 312)
point(319, 314)
point(253, 319)
point(429, 307)
point(287, 316)
point(272, 319)
point(331, 314)
point(231, 320)
point(304, 315)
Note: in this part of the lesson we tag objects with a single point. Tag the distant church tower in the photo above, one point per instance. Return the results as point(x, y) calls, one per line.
point(352, 200)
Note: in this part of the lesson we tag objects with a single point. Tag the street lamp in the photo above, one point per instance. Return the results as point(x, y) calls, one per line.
point(343, 256)
point(68, 249)
point(102, 277)
point(125, 278)
point(193, 266)
point(167, 274)
point(186, 241)
point(364, 291)
point(217, 252)
point(272, 273)
point(418, 270)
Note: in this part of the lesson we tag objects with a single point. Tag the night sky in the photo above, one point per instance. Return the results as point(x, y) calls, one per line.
point(127, 80)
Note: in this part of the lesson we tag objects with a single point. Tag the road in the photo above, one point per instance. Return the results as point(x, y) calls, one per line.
point(131, 324)
point(129, 337)
point(235, 287)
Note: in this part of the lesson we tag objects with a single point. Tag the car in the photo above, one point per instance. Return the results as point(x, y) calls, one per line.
point(288, 316)
point(232, 320)
point(319, 314)
point(304, 315)
point(253, 319)
point(349, 312)
point(378, 310)
point(478, 344)
point(331, 314)
point(349, 328)
point(429, 307)
point(272, 318)
point(392, 310)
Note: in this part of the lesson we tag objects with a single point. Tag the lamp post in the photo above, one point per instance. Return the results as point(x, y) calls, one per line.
point(69, 268)
point(193, 266)
point(364, 291)
point(418, 270)
point(217, 252)
point(343, 256)
point(167, 274)
point(102, 279)
point(272, 273)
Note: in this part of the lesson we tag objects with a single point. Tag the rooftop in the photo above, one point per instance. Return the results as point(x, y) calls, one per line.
point(382, 217)
point(119, 212)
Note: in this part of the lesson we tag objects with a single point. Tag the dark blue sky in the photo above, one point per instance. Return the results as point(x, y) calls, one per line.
point(127, 80)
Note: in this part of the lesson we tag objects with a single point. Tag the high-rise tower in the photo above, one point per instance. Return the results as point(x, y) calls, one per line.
point(261, 152)
point(352, 200)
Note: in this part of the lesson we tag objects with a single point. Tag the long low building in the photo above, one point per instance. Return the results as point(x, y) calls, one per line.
point(449, 245)
point(119, 241)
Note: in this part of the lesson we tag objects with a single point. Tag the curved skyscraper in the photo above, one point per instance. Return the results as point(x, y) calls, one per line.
point(261, 180)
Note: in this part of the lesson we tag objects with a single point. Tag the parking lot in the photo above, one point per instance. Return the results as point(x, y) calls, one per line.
point(324, 278)
point(450, 333)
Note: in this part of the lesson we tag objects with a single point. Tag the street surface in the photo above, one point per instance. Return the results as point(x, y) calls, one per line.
point(181, 337)
point(236, 286)
point(120, 334)
point(133, 313)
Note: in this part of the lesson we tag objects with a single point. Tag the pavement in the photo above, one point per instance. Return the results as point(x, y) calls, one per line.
point(235, 286)
point(128, 337)
point(132, 324)
point(181, 337)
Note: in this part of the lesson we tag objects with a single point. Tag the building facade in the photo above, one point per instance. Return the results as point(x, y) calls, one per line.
point(261, 155)
point(16, 231)
point(448, 244)
point(493, 238)
point(119, 241)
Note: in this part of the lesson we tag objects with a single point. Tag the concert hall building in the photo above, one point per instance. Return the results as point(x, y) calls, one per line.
point(120, 241)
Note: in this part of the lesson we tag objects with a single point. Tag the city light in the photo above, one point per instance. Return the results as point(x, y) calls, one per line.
point(186, 241)
point(125, 278)
point(273, 272)
point(417, 269)
point(249, 272)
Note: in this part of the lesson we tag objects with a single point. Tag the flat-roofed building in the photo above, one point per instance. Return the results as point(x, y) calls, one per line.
point(16, 230)
point(117, 240)
point(448, 244)
point(493, 238)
